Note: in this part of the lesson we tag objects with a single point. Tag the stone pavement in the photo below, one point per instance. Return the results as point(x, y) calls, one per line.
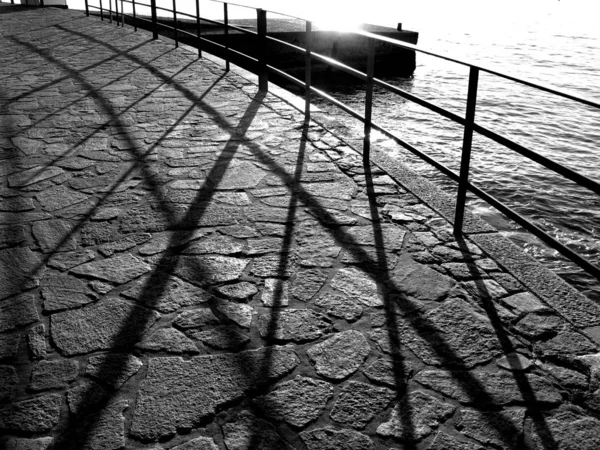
point(186, 264)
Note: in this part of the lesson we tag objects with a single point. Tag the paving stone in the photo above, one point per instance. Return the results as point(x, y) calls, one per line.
point(524, 303)
point(514, 362)
point(8, 382)
point(113, 370)
point(271, 266)
point(358, 403)
point(18, 270)
point(297, 401)
point(53, 374)
point(298, 325)
point(201, 384)
point(222, 337)
point(239, 175)
point(497, 388)
point(106, 429)
point(32, 176)
point(37, 415)
point(415, 417)
point(63, 292)
point(275, 293)
point(336, 439)
point(199, 443)
point(208, 269)
point(66, 261)
point(246, 432)
point(195, 318)
point(16, 204)
point(497, 428)
point(241, 314)
point(26, 444)
point(332, 217)
point(241, 291)
point(451, 334)
point(340, 306)
point(118, 269)
point(484, 289)
point(107, 324)
point(9, 346)
point(11, 235)
point(307, 283)
point(143, 218)
point(124, 243)
point(101, 287)
point(59, 197)
point(419, 281)
point(267, 245)
point(445, 441)
point(358, 286)
point(168, 340)
point(367, 257)
point(538, 326)
point(566, 344)
point(54, 236)
point(86, 397)
point(340, 190)
point(17, 312)
point(216, 244)
point(389, 237)
point(240, 231)
point(569, 430)
point(166, 293)
point(339, 356)
point(567, 377)
point(386, 371)
point(36, 340)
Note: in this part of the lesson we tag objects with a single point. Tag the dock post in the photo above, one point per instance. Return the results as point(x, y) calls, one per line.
point(465, 160)
point(308, 70)
point(226, 31)
point(154, 24)
point(263, 80)
point(369, 100)
point(198, 27)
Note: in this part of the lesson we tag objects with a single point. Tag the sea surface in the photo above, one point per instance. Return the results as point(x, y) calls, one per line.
point(554, 42)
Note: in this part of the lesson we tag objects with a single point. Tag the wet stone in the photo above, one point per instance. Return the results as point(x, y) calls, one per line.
point(240, 292)
point(339, 356)
point(497, 388)
point(340, 306)
point(222, 337)
point(384, 371)
point(17, 312)
point(53, 374)
point(8, 382)
point(501, 429)
point(108, 324)
point(66, 261)
point(9, 346)
point(86, 397)
point(336, 439)
point(173, 292)
point(118, 269)
point(201, 384)
point(196, 318)
point(209, 269)
point(113, 370)
point(59, 197)
point(358, 286)
point(275, 293)
point(36, 415)
point(297, 402)
point(358, 403)
point(419, 281)
point(217, 244)
point(296, 325)
point(11, 235)
point(422, 411)
point(54, 236)
point(241, 314)
point(26, 444)
point(307, 283)
point(168, 340)
point(63, 292)
point(246, 432)
point(123, 244)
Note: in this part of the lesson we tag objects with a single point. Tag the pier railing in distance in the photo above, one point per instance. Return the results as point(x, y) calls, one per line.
point(263, 70)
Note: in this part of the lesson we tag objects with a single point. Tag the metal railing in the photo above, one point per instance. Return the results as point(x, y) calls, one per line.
point(468, 122)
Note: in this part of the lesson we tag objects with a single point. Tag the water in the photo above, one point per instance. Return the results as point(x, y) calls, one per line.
point(549, 41)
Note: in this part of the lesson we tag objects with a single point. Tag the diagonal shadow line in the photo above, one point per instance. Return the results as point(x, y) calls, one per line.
point(424, 332)
point(531, 403)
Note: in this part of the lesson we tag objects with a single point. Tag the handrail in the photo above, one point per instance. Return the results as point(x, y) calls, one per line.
point(468, 122)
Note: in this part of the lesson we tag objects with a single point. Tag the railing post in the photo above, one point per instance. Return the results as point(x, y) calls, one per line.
point(87, 8)
point(369, 100)
point(110, 11)
point(465, 160)
point(122, 15)
point(226, 31)
point(154, 23)
point(117, 11)
point(308, 70)
point(134, 16)
point(175, 24)
point(263, 80)
point(101, 11)
point(198, 28)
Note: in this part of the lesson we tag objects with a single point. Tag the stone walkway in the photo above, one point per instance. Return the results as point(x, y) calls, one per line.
point(186, 264)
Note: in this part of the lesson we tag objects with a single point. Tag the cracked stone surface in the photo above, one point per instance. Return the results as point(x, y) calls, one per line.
point(336, 439)
point(340, 355)
point(500, 429)
point(293, 325)
point(53, 374)
point(358, 403)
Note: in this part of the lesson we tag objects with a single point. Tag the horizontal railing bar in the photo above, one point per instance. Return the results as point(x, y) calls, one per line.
point(572, 175)
point(420, 101)
point(535, 230)
point(235, 4)
point(287, 44)
point(287, 76)
point(338, 65)
point(337, 103)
